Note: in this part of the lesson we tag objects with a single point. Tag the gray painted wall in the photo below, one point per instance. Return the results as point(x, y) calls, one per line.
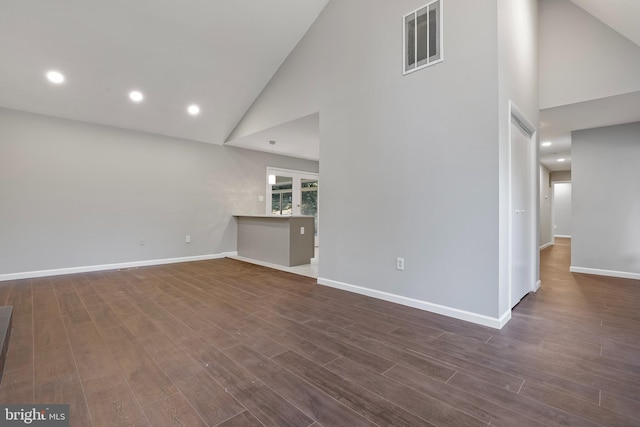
point(386, 140)
point(606, 198)
point(75, 194)
point(581, 58)
point(546, 235)
point(562, 209)
point(518, 85)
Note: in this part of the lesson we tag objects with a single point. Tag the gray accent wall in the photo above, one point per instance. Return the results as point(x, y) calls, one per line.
point(606, 199)
point(75, 194)
point(387, 141)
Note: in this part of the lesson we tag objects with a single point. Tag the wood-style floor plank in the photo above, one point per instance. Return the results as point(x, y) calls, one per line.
point(147, 381)
point(115, 405)
point(245, 419)
point(17, 386)
point(5, 288)
point(20, 298)
point(53, 357)
point(531, 408)
point(211, 401)
point(20, 351)
point(475, 405)
point(588, 410)
point(433, 410)
point(67, 390)
point(361, 400)
point(266, 405)
point(225, 343)
point(305, 396)
point(173, 411)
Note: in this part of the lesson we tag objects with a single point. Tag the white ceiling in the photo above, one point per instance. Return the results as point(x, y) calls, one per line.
point(218, 54)
point(557, 123)
point(621, 15)
point(297, 138)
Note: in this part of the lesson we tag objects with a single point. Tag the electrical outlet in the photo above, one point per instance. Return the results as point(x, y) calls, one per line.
point(261, 198)
point(187, 239)
point(142, 241)
point(301, 230)
point(399, 263)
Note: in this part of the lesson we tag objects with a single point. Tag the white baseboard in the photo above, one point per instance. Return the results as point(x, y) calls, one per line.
point(103, 267)
point(468, 316)
point(563, 236)
point(546, 245)
point(610, 273)
point(536, 287)
point(502, 320)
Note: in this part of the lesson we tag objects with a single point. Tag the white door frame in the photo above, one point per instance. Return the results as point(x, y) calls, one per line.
point(525, 124)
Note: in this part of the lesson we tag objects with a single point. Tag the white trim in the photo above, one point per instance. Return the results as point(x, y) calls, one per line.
point(609, 273)
point(502, 320)
point(564, 236)
point(468, 316)
point(103, 267)
point(546, 245)
point(537, 286)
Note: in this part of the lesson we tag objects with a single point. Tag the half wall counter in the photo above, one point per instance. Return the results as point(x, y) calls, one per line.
point(283, 240)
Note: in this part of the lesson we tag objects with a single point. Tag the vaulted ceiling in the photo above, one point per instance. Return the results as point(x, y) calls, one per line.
point(590, 70)
point(621, 15)
point(216, 54)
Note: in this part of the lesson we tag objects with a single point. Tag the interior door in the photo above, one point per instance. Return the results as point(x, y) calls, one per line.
point(521, 213)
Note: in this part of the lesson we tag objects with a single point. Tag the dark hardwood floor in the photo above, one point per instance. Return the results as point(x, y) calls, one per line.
point(224, 343)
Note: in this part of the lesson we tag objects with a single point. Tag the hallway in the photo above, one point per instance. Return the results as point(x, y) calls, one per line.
point(582, 333)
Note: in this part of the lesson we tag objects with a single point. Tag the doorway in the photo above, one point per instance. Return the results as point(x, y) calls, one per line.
point(291, 192)
point(561, 209)
point(522, 214)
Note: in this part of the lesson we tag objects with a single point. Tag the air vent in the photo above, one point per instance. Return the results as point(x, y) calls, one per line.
point(423, 37)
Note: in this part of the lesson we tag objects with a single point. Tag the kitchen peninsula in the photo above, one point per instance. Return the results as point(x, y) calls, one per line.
point(284, 240)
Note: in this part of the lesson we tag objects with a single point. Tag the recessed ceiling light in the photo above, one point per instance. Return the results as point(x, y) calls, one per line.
point(55, 77)
point(136, 96)
point(562, 160)
point(546, 144)
point(194, 110)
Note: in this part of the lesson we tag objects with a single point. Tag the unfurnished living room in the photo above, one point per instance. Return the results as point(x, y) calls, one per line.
point(320, 213)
